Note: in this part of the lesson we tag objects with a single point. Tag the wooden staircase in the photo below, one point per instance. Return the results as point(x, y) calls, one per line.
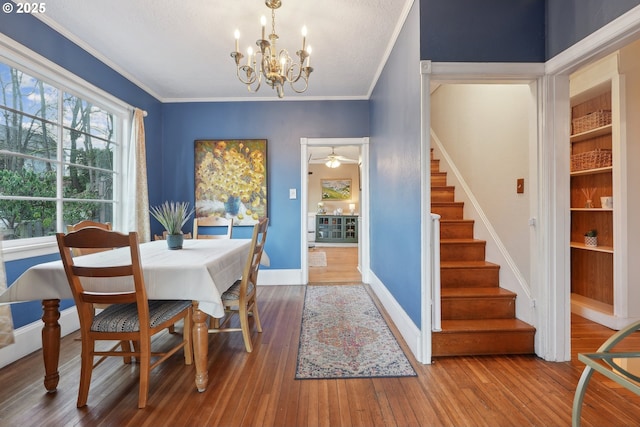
point(478, 317)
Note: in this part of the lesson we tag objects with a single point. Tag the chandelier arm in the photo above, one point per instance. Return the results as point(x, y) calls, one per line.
point(256, 88)
point(306, 85)
point(246, 74)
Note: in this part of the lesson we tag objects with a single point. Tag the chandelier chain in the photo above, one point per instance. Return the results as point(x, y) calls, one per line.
point(273, 21)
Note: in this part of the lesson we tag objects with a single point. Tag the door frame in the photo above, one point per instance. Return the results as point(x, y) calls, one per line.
point(363, 235)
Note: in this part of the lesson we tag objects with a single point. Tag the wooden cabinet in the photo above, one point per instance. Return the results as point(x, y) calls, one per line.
point(595, 146)
point(337, 228)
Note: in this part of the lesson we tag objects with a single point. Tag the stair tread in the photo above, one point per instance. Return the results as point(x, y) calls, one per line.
point(486, 325)
point(447, 203)
point(456, 221)
point(477, 292)
point(468, 264)
point(461, 240)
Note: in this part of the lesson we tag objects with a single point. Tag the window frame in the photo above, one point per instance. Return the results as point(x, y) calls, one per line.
point(16, 55)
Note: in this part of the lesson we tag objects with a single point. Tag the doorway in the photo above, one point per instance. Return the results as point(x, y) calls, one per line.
point(338, 254)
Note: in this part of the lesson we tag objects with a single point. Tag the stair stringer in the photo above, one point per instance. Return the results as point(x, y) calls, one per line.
point(511, 277)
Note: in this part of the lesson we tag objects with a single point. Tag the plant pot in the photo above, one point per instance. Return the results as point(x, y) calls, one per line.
point(591, 240)
point(174, 241)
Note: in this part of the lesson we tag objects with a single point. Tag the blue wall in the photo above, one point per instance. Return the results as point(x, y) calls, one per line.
point(482, 31)
point(569, 21)
point(282, 124)
point(395, 171)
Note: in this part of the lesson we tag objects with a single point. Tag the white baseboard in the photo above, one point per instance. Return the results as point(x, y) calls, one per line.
point(29, 338)
point(409, 331)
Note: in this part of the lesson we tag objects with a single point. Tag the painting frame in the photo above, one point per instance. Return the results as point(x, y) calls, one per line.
point(231, 179)
point(335, 189)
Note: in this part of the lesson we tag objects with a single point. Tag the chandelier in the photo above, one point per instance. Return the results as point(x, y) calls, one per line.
point(275, 67)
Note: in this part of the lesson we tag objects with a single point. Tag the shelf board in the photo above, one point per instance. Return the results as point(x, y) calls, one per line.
point(607, 169)
point(591, 210)
point(603, 130)
point(592, 304)
point(605, 249)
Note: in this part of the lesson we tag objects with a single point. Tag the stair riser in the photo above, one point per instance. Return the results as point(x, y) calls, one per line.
point(442, 194)
point(482, 343)
point(456, 230)
point(435, 165)
point(439, 178)
point(469, 277)
point(449, 211)
point(462, 251)
point(460, 308)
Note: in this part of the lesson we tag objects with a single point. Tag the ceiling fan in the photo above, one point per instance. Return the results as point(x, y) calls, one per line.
point(333, 160)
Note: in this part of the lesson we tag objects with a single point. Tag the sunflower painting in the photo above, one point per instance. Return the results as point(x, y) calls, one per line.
point(231, 179)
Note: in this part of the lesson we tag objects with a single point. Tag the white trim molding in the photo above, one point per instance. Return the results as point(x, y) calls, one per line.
point(408, 330)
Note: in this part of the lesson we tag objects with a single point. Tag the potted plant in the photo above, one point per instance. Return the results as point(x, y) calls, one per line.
point(172, 216)
point(591, 238)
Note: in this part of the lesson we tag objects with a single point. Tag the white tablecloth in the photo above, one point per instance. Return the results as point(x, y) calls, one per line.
point(201, 271)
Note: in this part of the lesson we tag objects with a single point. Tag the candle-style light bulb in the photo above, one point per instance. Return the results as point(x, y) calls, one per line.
point(249, 53)
point(263, 22)
point(236, 34)
point(282, 62)
point(304, 36)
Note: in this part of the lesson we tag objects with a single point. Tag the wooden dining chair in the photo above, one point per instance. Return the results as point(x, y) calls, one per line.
point(240, 298)
point(84, 224)
point(86, 251)
point(130, 316)
point(214, 223)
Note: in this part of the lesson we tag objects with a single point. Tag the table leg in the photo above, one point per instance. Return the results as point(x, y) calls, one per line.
point(51, 343)
point(200, 347)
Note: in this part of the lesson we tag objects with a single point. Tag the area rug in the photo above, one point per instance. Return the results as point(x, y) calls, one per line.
point(317, 259)
point(343, 335)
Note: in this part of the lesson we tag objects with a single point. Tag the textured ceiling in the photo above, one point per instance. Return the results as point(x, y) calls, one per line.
point(180, 50)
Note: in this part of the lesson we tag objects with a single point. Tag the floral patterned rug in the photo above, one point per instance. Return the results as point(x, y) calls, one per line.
point(343, 335)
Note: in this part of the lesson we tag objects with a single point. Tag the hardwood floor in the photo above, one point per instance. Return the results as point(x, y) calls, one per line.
point(259, 389)
point(342, 265)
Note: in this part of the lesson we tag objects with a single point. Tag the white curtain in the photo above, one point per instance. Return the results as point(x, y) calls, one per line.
point(136, 202)
point(6, 321)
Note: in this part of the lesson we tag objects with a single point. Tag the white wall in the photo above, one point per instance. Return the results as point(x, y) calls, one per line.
point(484, 128)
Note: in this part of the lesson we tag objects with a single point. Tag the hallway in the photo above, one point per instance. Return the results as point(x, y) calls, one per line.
point(341, 265)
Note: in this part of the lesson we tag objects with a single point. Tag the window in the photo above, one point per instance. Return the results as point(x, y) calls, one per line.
point(60, 151)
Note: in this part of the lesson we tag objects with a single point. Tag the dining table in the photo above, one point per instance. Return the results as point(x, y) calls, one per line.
point(199, 272)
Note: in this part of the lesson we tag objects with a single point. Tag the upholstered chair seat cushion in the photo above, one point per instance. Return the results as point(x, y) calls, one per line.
point(124, 317)
point(233, 293)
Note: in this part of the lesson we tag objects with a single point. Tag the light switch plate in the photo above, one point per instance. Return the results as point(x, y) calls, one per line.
point(292, 193)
